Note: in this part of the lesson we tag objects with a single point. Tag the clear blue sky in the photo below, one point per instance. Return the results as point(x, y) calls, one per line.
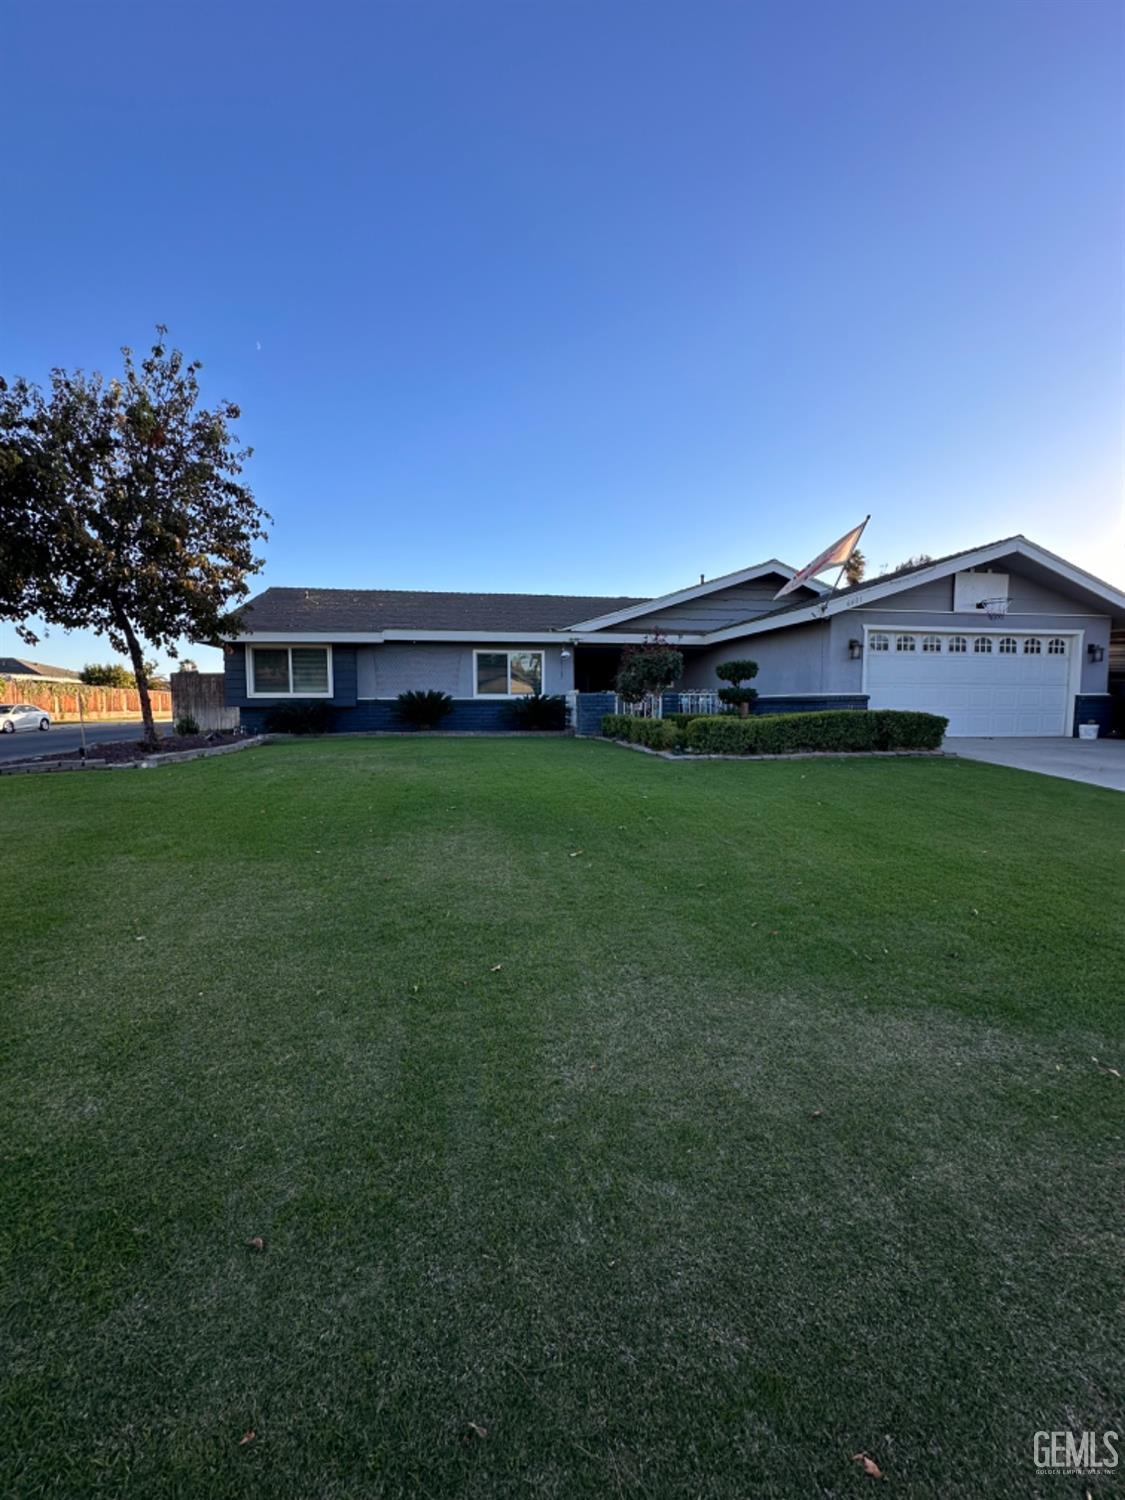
point(594, 297)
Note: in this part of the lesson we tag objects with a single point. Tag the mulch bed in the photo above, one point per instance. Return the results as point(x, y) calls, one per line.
point(117, 752)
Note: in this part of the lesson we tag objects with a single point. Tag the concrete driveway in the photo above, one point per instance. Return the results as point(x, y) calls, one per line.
point(1100, 762)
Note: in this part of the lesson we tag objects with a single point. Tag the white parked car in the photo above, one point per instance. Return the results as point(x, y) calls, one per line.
point(15, 716)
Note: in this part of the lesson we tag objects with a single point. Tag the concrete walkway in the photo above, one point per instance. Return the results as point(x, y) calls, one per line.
point(1100, 762)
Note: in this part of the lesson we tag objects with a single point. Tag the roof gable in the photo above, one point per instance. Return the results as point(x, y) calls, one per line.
point(697, 591)
point(889, 584)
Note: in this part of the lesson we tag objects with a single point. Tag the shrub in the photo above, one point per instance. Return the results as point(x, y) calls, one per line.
point(107, 674)
point(423, 710)
point(539, 711)
point(830, 730)
point(299, 718)
point(649, 668)
point(656, 734)
point(737, 698)
point(185, 724)
point(681, 721)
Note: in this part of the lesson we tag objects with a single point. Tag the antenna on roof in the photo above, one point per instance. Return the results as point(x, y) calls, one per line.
point(701, 578)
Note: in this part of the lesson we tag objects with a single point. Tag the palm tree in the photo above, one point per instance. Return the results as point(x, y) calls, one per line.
point(855, 567)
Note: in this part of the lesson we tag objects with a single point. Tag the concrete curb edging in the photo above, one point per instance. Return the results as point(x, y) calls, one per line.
point(145, 763)
point(792, 754)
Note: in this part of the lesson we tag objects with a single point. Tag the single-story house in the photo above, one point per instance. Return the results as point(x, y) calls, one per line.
point(1004, 639)
point(35, 671)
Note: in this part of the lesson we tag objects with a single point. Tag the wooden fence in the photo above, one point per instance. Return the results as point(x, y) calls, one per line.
point(200, 694)
point(60, 699)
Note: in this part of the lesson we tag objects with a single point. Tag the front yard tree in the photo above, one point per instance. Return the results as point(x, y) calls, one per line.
point(122, 509)
point(736, 673)
point(648, 669)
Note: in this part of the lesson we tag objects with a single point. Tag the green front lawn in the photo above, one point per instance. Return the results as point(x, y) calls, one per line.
point(613, 1127)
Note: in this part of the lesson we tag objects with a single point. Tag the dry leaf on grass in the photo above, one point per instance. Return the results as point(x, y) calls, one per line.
point(257, 1243)
point(869, 1465)
point(496, 968)
point(481, 1432)
point(247, 1437)
point(816, 1114)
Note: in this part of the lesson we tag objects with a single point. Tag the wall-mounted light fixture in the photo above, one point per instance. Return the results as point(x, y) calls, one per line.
point(1095, 652)
point(855, 649)
point(565, 655)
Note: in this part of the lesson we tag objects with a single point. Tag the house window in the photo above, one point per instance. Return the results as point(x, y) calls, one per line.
point(508, 674)
point(1056, 647)
point(290, 672)
point(931, 643)
point(982, 645)
point(1007, 646)
point(880, 642)
point(1032, 646)
point(958, 645)
point(904, 643)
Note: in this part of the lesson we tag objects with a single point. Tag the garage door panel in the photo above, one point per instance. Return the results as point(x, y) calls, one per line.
point(986, 692)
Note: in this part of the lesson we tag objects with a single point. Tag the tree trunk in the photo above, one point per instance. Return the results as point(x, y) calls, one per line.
point(744, 710)
point(136, 656)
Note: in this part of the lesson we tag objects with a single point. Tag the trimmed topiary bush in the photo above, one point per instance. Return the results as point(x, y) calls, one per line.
point(423, 710)
point(737, 698)
point(833, 730)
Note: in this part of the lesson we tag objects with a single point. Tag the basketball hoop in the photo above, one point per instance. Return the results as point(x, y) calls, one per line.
point(995, 609)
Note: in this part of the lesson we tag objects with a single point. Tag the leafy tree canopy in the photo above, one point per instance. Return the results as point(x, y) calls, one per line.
point(122, 509)
point(648, 668)
point(856, 567)
point(107, 674)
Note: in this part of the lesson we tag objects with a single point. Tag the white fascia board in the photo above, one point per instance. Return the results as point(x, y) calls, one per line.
point(1015, 546)
point(697, 591)
point(514, 637)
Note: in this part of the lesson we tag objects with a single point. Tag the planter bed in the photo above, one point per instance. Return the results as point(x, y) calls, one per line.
point(127, 755)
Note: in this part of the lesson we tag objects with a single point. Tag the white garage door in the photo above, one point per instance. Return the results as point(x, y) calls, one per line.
point(987, 684)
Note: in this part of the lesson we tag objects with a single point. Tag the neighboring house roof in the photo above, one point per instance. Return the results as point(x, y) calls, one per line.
point(18, 666)
point(871, 589)
point(353, 610)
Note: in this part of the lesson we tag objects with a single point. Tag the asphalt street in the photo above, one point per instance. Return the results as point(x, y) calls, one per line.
point(63, 737)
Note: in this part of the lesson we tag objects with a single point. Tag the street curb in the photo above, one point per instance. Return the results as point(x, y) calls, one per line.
point(145, 763)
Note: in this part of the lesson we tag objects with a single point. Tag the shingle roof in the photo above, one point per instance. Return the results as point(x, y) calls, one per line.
point(359, 610)
point(19, 666)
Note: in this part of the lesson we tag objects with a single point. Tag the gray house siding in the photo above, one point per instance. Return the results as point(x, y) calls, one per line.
point(1025, 596)
point(789, 661)
point(445, 667)
point(367, 679)
point(742, 601)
